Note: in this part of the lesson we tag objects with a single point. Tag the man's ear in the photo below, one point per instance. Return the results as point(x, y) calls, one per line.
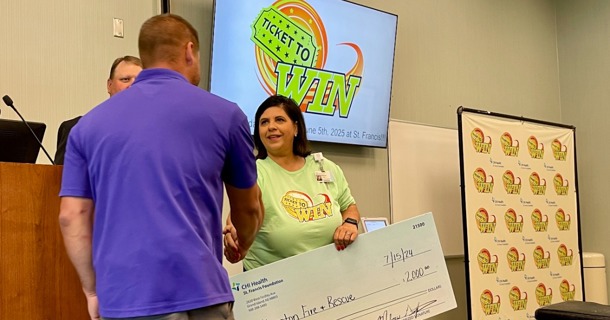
point(108, 85)
point(190, 53)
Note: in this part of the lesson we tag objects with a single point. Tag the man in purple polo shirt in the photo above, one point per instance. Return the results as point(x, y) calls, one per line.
point(151, 163)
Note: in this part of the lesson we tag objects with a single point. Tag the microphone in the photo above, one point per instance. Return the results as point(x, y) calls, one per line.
point(9, 102)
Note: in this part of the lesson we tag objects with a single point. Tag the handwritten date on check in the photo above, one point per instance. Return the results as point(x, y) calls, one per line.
point(394, 273)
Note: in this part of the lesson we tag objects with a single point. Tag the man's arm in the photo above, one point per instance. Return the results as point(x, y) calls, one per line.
point(76, 223)
point(246, 215)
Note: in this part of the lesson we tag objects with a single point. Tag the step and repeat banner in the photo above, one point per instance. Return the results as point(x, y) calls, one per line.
point(520, 208)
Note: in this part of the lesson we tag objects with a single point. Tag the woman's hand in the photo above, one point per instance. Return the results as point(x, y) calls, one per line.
point(344, 235)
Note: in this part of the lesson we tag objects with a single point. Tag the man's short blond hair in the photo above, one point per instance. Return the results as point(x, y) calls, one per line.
point(162, 36)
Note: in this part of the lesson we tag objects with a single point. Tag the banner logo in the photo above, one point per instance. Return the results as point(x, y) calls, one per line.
point(536, 150)
point(291, 49)
point(483, 221)
point(235, 286)
point(301, 207)
point(481, 143)
point(518, 299)
point(561, 185)
point(481, 183)
point(537, 184)
point(514, 263)
point(542, 259)
point(514, 222)
point(489, 303)
point(540, 221)
point(565, 255)
point(512, 184)
point(510, 148)
point(560, 151)
point(563, 220)
point(544, 296)
point(566, 290)
point(488, 264)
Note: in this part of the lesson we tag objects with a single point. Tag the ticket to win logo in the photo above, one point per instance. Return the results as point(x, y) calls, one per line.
point(509, 147)
point(537, 184)
point(516, 260)
point(485, 222)
point(514, 222)
point(544, 295)
point(512, 184)
point(561, 185)
point(482, 183)
point(565, 255)
point(542, 259)
point(518, 299)
point(566, 290)
point(490, 303)
point(560, 152)
point(563, 220)
point(540, 221)
point(291, 51)
point(488, 263)
point(536, 150)
point(480, 143)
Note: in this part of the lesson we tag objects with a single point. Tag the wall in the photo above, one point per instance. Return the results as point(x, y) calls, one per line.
point(56, 56)
point(583, 40)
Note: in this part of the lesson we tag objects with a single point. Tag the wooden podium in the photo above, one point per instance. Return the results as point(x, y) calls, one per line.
point(37, 280)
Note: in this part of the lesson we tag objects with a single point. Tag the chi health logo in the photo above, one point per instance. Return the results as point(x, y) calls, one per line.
point(235, 286)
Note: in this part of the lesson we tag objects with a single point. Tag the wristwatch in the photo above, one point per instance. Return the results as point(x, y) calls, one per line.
point(352, 221)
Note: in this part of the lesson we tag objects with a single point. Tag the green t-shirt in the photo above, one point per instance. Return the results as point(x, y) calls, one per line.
point(301, 213)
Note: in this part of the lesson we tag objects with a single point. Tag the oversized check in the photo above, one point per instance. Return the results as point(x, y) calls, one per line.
point(397, 272)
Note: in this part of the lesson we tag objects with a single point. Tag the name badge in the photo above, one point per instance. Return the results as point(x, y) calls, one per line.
point(324, 176)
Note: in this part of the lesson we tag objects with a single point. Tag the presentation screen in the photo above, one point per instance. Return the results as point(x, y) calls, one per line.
point(334, 58)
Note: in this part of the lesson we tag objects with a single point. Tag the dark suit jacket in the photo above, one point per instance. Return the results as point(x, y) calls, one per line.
point(62, 138)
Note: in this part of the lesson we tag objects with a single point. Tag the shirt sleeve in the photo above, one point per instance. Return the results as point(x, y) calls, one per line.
point(75, 178)
point(344, 195)
point(240, 168)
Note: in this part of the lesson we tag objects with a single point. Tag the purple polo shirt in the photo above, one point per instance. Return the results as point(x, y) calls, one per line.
point(154, 158)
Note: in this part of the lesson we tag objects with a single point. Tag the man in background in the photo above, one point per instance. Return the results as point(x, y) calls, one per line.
point(151, 163)
point(123, 72)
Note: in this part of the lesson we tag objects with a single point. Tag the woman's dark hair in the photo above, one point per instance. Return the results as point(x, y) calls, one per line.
point(300, 145)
